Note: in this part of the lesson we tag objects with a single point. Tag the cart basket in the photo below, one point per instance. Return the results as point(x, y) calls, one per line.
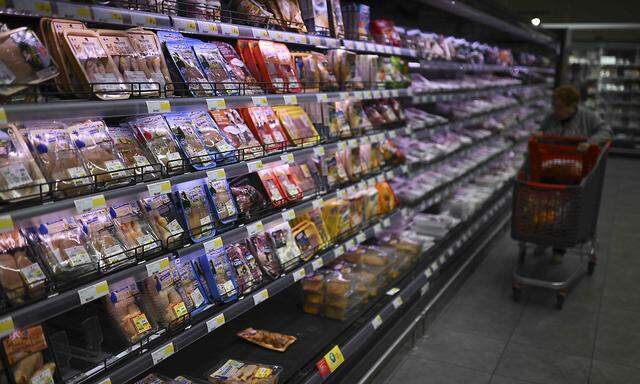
point(556, 197)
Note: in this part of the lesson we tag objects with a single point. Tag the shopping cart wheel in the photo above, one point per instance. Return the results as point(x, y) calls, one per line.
point(517, 292)
point(591, 268)
point(560, 300)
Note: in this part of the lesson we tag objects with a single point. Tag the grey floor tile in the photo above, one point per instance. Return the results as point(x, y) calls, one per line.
point(390, 367)
point(618, 346)
point(606, 373)
point(464, 349)
point(506, 380)
point(571, 330)
point(543, 366)
point(620, 318)
point(420, 371)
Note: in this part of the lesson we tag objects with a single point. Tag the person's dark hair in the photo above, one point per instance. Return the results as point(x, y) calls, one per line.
point(567, 95)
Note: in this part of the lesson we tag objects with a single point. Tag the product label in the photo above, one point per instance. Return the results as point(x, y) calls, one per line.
point(114, 250)
point(159, 188)
point(147, 242)
point(299, 274)
point(205, 221)
point(77, 256)
point(260, 296)
point(227, 287)
point(115, 167)
point(158, 266)
point(141, 323)
point(106, 82)
point(93, 292)
point(262, 373)
point(317, 263)
point(162, 353)
point(43, 377)
point(197, 298)
point(397, 302)
point(288, 215)
point(216, 104)
point(180, 309)
point(376, 322)
point(174, 227)
point(255, 228)
point(6, 326)
point(330, 362)
point(15, 175)
point(32, 274)
point(216, 322)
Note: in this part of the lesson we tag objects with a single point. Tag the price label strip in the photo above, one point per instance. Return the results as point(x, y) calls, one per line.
point(93, 292)
point(157, 266)
point(160, 188)
point(317, 263)
point(162, 353)
point(299, 274)
point(260, 296)
point(90, 203)
point(215, 323)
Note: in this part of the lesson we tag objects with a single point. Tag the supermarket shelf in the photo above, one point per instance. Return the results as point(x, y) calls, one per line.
point(634, 152)
point(468, 67)
point(146, 360)
point(421, 284)
point(614, 78)
point(422, 98)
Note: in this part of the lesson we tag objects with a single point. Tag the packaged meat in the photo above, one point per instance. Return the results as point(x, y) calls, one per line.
point(103, 237)
point(273, 188)
point(386, 198)
point(248, 274)
point(305, 177)
point(163, 217)
point(225, 208)
point(133, 156)
point(28, 356)
point(237, 68)
point(126, 310)
point(24, 60)
point(267, 339)
point(337, 24)
point(230, 121)
point(100, 74)
point(150, 58)
point(214, 68)
point(256, 11)
point(20, 177)
point(99, 153)
point(128, 61)
point(21, 276)
point(240, 372)
point(196, 209)
point(185, 67)
point(154, 132)
point(250, 196)
point(189, 287)
point(276, 66)
point(262, 249)
point(68, 80)
point(291, 15)
point(297, 125)
point(287, 182)
point(357, 117)
point(266, 127)
point(286, 248)
point(161, 296)
point(307, 239)
point(336, 216)
point(133, 228)
point(315, 14)
point(219, 275)
point(64, 248)
point(213, 138)
point(58, 158)
point(189, 140)
point(314, 216)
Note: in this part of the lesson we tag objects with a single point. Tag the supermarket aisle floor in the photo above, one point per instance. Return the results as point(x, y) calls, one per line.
point(484, 337)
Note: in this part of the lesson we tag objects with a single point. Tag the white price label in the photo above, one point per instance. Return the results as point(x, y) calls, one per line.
point(350, 244)
point(217, 174)
point(376, 322)
point(260, 296)
point(255, 228)
point(74, 11)
point(395, 93)
point(216, 322)
point(397, 302)
point(442, 259)
point(376, 94)
point(393, 291)
point(361, 237)
point(157, 266)
point(389, 175)
point(434, 266)
point(367, 95)
point(338, 251)
point(322, 97)
point(255, 166)
point(392, 134)
point(213, 244)
point(6, 223)
point(259, 33)
point(287, 158)
point(288, 215)
point(93, 292)
point(371, 47)
point(208, 28)
point(341, 194)
point(386, 222)
point(259, 101)
point(158, 106)
point(318, 151)
point(230, 30)
point(377, 228)
point(299, 274)
point(185, 25)
point(388, 49)
point(160, 188)
point(360, 46)
point(162, 353)
point(217, 103)
point(317, 203)
point(397, 50)
point(315, 40)
point(290, 99)
point(352, 143)
point(90, 203)
point(349, 44)
point(6, 326)
point(424, 289)
point(344, 95)
point(427, 273)
point(317, 263)
point(277, 35)
point(404, 169)
point(342, 145)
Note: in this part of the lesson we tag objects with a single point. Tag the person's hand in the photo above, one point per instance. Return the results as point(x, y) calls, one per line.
point(584, 147)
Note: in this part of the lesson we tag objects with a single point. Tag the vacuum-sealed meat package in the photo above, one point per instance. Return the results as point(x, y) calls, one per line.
point(230, 121)
point(193, 148)
point(250, 196)
point(214, 68)
point(270, 340)
point(286, 248)
point(237, 69)
point(150, 58)
point(196, 209)
point(248, 274)
point(297, 125)
point(213, 138)
point(133, 156)
point(133, 228)
point(185, 67)
point(104, 238)
point(261, 247)
point(28, 356)
point(240, 372)
point(288, 182)
point(266, 127)
point(162, 297)
point(189, 287)
point(273, 188)
point(22, 279)
point(219, 275)
point(163, 217)
point(20, 177)
point(68, 81)
point(127, 311)
point(157, 136)
point(225, 210)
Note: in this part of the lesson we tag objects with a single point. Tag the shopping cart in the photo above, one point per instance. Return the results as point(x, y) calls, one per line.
point(556, 201)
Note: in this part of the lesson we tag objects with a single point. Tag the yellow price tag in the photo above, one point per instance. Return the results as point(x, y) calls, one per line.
point(213, 244)
point(334, 358)
point(262, 373)
point(213, 29)
point(158, 266)
point(149, 20)
point(260, 296)
point(83, 12)
point(158, 106)
point(43, 7)
point(191, 25)
point(98, 202)
point(3, 116)
point(216, 104)
point(93, 292)
point(162, 353)
point(217, 174)
point(6, 223)
point(160, 188)
point(255, 166)
point(180, 309)
point(6, 326)
point(141, 323)
point(259, 101)
point(216, 322)
point(116, 16)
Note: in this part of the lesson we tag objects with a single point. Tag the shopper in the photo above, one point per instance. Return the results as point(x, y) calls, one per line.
point(571, 119)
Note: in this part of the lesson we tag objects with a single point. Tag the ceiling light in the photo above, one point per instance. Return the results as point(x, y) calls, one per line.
point(535, 21)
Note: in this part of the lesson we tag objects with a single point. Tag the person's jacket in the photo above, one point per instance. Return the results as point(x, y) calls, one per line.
point(583, 123)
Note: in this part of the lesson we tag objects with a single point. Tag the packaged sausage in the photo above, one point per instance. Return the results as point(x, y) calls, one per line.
point(267, 339)
point(20, 177)
point(213, 138)
point(163, 299)
point(68, 81)
point(133, 228)
point(163, 217)
point(154, 132)
point(225, 208)
point(22, 279)
point(248, 274)
point(150, 58)
point(215, 69)
point(297, 125)
point(58, 158)
point(276, 66)
point(64, 248)
point(250, 196)
point(265, 126)
point(24, 60)
point(189, 287)
point(315, 72)
point(271, 185)
point(307, 239)
point(262, 249)
point(288, 183)
point(28, 356)
point(126, 310)
point(185, 67)
point(133, 156)
point(103, 237)
point(240, 372)
point(315, 14)
point(99, 73)
point(196, 209)
point(189, 140)
point(305, 176)
point(286, 248)
point(237, 68)
point(219, 275)
point(99, 154)
point(230, 121)
point(314, 216)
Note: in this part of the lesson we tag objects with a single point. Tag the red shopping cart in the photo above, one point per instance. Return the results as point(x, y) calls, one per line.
point(556, 201)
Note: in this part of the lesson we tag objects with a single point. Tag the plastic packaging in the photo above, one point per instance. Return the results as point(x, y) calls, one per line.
point(157, 136)
point(185, 66)
point(250, 196)
point(238, 69)
point(104, 238)
point(285, 246)
point(307, 239)
point(267, 339)
point(22, 279)
point(214, 68)
point(196, 209)
point(266, 127)
point(133, 156)
point(150, 58)
point(225, 210)
point(133, 228)
point(271, 185)
point(287, 182)
point(125, 308)
point(297, 125)
point(28, 356)
point(20, 177)
point(162, 297)
point(263, 250)
point(190, 288)
point(230, 121)
point(189, 140)
point(213, 138)
point(68, 80)
point(248, 274)
point(240, 372)
point(163, 217)
point(219, 275)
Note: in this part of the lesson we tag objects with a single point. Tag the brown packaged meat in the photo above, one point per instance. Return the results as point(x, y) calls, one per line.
point(58, 158)
point(23, 60)
point(163, 217)
point(99, 154)
point(150, 58)
point(270, 340)
point(168, 306)
point(67, 81)
point(133, 228)
point(21, 278)
point(104, 238)
point(124, 309)
point(25, 354)
point(20, 177)
point(90, 58)
point(132, 154)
